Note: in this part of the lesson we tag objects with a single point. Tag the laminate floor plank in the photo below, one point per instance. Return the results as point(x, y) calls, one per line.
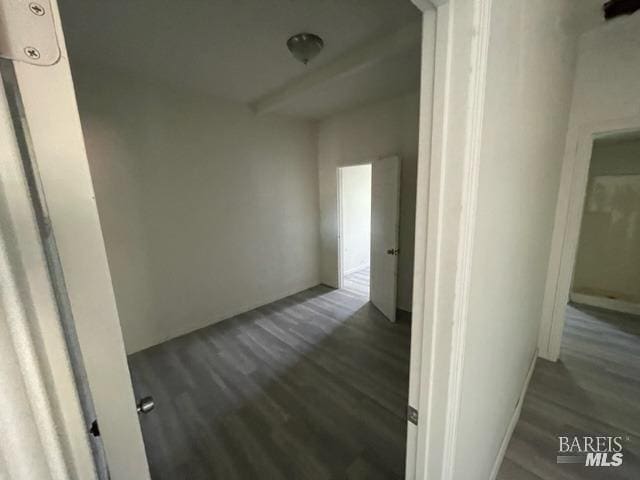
point(593, 389)
point(312, 386)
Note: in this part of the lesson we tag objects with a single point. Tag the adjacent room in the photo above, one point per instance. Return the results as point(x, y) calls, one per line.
point(355, 228)
point(593, 386)
point(607, 267)
point(254, 165)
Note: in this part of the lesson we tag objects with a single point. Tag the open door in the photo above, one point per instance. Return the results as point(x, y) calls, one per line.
point(39, 92)
point(385, 213)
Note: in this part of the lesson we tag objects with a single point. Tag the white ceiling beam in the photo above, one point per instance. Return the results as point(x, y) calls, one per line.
point(347, 64)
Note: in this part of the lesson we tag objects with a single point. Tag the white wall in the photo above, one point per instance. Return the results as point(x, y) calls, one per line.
point(356, 217)
point(207, 210)
point(608, 260)
point(529, 82)
point(359, 136)
point(606, 98)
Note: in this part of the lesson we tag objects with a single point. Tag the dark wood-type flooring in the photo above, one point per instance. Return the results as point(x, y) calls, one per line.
point(313, 386)
point(594, 389)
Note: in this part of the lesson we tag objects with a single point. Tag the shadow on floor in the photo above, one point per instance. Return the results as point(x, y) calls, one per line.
point(311, 386)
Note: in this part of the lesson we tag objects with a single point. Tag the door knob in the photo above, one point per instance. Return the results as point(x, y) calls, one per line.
point(145, 405)
point(393, 251)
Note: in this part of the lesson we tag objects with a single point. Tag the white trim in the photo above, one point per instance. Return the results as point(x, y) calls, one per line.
point(477, 89)
point(607, 303)
point(425, 132)
point(341, 272)
point(566, 232)
point(514, 419)
point(445, 232)
point(433, 210)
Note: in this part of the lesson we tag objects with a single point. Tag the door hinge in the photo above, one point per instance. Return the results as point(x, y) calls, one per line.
point(27, 32)
point(412, 415)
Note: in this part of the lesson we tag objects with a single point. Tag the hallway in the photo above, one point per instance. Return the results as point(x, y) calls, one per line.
point(594, 389)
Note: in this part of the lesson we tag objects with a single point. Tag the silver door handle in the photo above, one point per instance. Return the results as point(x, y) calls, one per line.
point(393, 251)
point(145, 405)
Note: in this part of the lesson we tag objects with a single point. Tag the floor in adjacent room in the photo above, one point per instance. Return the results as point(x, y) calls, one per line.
point(594, 389)
point(358, 281)
point(313, 386)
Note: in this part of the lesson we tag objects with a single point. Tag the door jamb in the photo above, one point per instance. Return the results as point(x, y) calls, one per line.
point(448, 173)
point(566, 232)
point(340, 230)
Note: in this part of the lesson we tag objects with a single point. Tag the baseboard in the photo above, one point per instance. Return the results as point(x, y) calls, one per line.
point(607, 303)
point(514, 419)
point(213, 318)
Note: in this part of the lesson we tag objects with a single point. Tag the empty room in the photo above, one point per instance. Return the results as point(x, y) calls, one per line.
point(217, 142)
point(319, 239)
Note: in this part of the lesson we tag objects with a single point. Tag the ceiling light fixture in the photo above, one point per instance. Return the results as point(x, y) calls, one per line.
point(305, 46)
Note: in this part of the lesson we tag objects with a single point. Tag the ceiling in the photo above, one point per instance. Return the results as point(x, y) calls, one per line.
point(622, 136)
point(235, 49)
point(389, 77)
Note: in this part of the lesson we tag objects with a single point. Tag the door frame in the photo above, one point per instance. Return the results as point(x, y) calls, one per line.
point(566, 231)
point(450, 132)
point(450, 139)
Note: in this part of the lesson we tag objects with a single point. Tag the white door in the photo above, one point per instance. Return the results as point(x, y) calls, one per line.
point(42, 98)
point(385, 214)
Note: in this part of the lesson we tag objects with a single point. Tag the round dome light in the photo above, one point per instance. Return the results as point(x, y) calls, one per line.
point(305, 46)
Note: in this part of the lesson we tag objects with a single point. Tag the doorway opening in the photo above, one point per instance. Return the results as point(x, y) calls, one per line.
point(355, 229)
point(602, 318)
point(217, 204)
point(596, 318)
point(606, 272)
point(369, 232)
point(599, 260)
